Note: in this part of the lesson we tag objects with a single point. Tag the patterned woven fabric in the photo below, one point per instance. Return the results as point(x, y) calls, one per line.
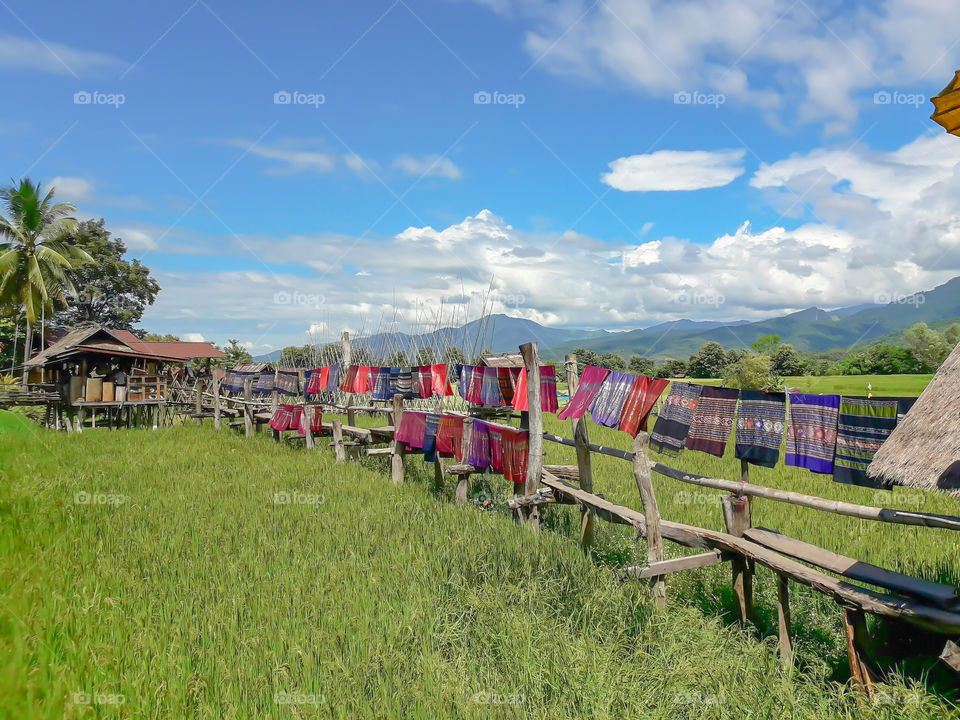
point(590, 384)
point(431, 425)
point(265, 382)
point(349, 379)
point(496, 447)
point(441, 383)
point(548, 390)
point(475, 388)
point(372, 375)
point(411, 429)
point(812, 431)
point(479, 453)
point(607, 407)
point(760, 424)
point(381, 390)
point(282, 418)
point(670, 431)
point(288, 383)
point(863, 424)
point(450, 436)
point(425, 384)
point(314, 415)
point(507, 382)
point(333, 379)
point(490, 388)
point(515, 449)
point(317, 382)
point(232, 381)
point(713, 420)
point(643, 395)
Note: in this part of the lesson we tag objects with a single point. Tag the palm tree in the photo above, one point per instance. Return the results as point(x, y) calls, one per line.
point(34, 256)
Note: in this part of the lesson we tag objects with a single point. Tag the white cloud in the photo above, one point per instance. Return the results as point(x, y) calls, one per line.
point(804, 61)
point(135, 240)
point(291, 161)
point(428, 166)
point(72, 189)
point(52, 57)
point(194, 337)
point(675, 170)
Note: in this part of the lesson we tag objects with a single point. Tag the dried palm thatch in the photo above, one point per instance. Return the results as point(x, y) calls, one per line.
point(924, 449)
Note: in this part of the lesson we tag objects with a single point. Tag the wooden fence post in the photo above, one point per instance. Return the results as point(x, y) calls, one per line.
point(198, 404)
point(275, 395)
point(581, 437)
point(347, 362)
point(463, 479)
point(783, 621)
point(396, 458)
point(308, 412)
point(651, 513)
point(216, 403)
point(247, 407)
point(736, 516)
point(339, 452)
point(855, 625)
point(531, 360)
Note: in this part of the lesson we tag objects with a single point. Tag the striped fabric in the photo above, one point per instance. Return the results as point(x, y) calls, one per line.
point(441, 381)
point(713, 420)
point(496, 447)
point(507, 380)
point(515, 449)
point(475, 388)
point(373, 375)
point(490, 388)
point(265, 382)
point(643, 395)
point(425, 382)
point(333, 379)
point(431, 425)
point(282, 418)
point(349, 379)
point(548, 390)
point(405, 382)
point(670, 431)
point(479, 452)
point(288, 383)
point(314, 415)
point(863, 425)
point(607, 407)
point(760, 424)
point(317, 382)
point(590, 382)
point(450, 436)
point(812, 431)
point(381, 390)
point(232, 381)
point(411, 429)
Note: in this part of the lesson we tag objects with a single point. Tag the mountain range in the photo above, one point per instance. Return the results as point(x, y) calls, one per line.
point(813, 329)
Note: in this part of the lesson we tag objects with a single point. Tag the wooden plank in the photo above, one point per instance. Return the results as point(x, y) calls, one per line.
point(942, 595)
point(926, 616)
point(338, 450)
point(380, 451)
point(855, 627)
point(651, 514)
point(386, 431)
point(666, 567)
point(531, 361)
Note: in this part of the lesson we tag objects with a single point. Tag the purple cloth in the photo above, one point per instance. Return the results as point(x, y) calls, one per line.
point(607, 406)
point(490, 389)
point(479, 455)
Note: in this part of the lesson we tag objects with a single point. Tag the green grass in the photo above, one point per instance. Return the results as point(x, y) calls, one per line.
point(883, 385)
point(187, 590)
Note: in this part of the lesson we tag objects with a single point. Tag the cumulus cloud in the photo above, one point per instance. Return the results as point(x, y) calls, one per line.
point(428, 166)
point(806, 61)
point(72, 189)
point(52, 57)
point(675, 170)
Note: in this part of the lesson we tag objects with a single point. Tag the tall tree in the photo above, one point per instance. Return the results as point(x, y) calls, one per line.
point(641, 365)
point(35, 255)
point(928, 346)
point(236, 354)
point(709, 361)
point(111, 291)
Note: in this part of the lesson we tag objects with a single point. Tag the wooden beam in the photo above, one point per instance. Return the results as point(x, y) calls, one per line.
point(308, 412)
point(582, 440)
point(247, 407)
point(855, 627)
point(531, 361)
point(666, 567)
point(736, 517)
point(651, 514)
point(783, 621)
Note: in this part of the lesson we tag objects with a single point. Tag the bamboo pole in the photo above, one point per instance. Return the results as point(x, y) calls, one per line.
point(651, 514)
point(582, 440)
point(531, 360)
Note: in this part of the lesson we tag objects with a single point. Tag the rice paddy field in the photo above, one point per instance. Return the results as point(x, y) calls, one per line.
point(187, 573)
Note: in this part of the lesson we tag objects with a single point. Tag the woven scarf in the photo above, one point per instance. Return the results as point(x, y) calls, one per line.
point(405, 383)
point(314, 415)
point(496, 447)
point(411, 429)
point(507, 381)
point(265, 382)
point(333, 379)
point(548, 390)
point(812, 431)
point(607, 407)
point(760, 423)
point(282, 418)
point(316, 383)
point(381, 390)
point(441, 383)
point(430, 428)
point(644, 393)
point(670, 431)
point(515, 450)
point(425, 382)
point(490, 388)
point(590, 383)
point(479, 453)
point(863, 425)
point(713, 420)
point(373, 376)
point(349, 379)
point(475, 387)
point(288, 383)
point(450, 435)
point(360, 381)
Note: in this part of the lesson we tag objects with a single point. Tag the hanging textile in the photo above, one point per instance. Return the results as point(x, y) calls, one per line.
point(430, 428)
point(265, 382)
point(373, 375)
point(411, 429)
point(713, 420)
point(382, 388)
point(475, 388)
point(312, 414)
point(507, 381)
point(450, 436)
point(333, 378)
point(361, 380)
point(288, 383)
point(643, 395)
point(548, 390)
point(863, 424)
point(760, 424)
point(903, 407)
point(670, 431)
point(812, 431)
point(441, 382)
point(495, 435)
point(282, 418)
point(425, 389)
point(515, 449)
point(479, 452)
point(349, 379)
point(232, 381)
point(607, 407)
point(490, 388)
point(317, 382)
point(590, 383)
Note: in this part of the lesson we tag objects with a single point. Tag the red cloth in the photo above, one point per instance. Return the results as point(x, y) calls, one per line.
point(515, 449)
point(282, 418)
point(475, 387)
point(450, 436)
point(439, 380)
point(425, 379)
point(411, 430)
point(372, 374)
point(643, 395)
point(496, 447)
point(349, 379)
point(507, 377)
point(316, 382)
point(361, 379)
point(548, 390)
point(313, 414)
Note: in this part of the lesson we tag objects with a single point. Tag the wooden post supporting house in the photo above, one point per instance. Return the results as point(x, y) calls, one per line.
point(216, 403)
point(396, 458)
point(581, 437)
point(736, 516)
point(248, 406)
point(651, 513)
point(531, 361)
point(339, 452)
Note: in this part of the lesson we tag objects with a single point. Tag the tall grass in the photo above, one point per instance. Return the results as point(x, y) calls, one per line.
point(166, 570)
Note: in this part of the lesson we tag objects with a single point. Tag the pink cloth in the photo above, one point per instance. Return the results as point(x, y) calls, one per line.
point(587, 390)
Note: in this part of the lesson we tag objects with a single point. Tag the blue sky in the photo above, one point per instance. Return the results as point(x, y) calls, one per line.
point(639, 161)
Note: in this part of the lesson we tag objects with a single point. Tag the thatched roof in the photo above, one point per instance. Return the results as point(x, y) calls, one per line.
point(924, 449)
